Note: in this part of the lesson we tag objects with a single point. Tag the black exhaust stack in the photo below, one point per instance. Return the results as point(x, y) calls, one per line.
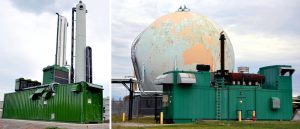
point(88, 54)
point(72, 47)
point(222, 39)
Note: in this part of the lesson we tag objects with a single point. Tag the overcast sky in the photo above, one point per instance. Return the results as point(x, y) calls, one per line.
point(28, 39)
point(261, 32)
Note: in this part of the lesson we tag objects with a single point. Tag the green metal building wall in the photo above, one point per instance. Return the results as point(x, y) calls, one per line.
point(187, 103)
point(78, 103)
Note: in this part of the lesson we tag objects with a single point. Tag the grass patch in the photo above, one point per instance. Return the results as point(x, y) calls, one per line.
point(144, 120)
point(116, 118)
point(53, 128)
point(224, 124)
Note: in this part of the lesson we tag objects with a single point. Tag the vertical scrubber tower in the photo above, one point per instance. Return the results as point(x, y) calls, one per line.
point(80, 46)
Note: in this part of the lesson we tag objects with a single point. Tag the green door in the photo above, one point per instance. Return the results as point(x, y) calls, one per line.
point(244, 108)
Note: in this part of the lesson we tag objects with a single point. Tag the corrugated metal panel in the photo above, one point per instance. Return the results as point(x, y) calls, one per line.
point(187, 103)
point(64, 105)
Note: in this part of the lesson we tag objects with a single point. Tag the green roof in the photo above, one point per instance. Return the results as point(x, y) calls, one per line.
point(272, 66)
point(65, 69)
point(95, 86)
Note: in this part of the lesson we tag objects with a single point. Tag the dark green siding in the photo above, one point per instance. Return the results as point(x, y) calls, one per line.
point(65, 104)
point(188, 103)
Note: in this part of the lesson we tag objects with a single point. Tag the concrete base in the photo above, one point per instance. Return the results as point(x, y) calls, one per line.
point(28, 124)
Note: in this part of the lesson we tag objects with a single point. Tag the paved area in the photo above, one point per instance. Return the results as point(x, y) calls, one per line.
point(27, 124)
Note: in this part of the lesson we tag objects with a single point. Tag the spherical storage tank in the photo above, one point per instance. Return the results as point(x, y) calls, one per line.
point(182, 38)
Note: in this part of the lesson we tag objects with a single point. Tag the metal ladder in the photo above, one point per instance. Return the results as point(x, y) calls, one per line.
point(218, 86)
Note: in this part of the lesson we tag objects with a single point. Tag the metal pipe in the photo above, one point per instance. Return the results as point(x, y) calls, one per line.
point(155, 109)
point(130, 102)
point(72, 48)
point(88, 64)
point(91, 67)
point(40, 86)
point(135, 63)
point(222, 60)
point(57, 38)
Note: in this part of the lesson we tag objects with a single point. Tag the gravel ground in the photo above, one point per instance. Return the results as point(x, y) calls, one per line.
point(28, 124)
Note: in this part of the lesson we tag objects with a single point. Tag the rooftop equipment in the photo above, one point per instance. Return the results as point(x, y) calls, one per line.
point(22, 84)
point(55, 74)
point(243, 69)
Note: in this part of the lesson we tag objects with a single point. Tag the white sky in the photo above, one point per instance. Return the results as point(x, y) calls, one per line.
point(262, 32)
point(28, 39)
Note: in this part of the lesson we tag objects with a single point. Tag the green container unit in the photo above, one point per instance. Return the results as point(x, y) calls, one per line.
point(183, 103)
point(55, 73)
point(279, 99)
point(186, 103)
point(76, 103)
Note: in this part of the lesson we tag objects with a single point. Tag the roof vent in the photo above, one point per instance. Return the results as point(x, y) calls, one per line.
point(183, 9)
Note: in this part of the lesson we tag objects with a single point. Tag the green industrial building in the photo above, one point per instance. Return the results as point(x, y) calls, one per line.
point(200, 95)
point(204, 94)
point(77, 103)
point(55, 100)
point(66, 94)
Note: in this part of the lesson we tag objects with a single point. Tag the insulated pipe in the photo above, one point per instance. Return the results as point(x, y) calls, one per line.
point(135, 64)
point(60, 55)
point(57, 38)
point(51, 85)
point(222, 39)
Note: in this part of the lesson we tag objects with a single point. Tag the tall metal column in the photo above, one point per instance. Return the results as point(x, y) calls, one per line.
point(130, 101)
point(155, 109)
point(222, 39)
point(72, 48)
